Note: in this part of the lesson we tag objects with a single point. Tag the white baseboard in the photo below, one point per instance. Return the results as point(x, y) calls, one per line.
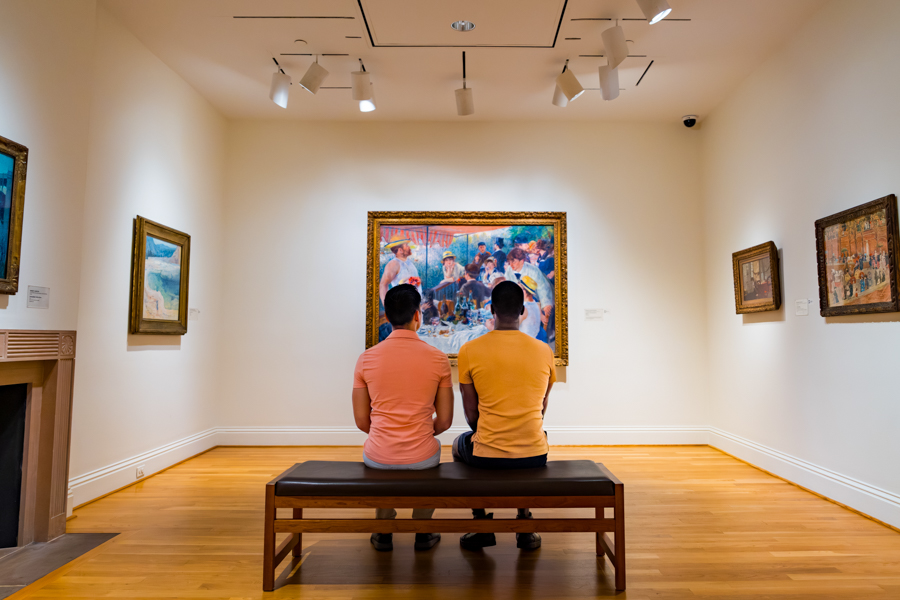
point(875, 502)
point(86, 487)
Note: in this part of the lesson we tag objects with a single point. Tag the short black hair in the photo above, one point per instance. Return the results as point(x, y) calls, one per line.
point(401, 304)
point(507, 300)
point(480, 244)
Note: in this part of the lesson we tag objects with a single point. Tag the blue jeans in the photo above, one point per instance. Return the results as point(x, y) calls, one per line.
point(428, 463)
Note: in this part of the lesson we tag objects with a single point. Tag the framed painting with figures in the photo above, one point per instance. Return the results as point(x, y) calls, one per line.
point(13, 167)
point(455, 259)
point(159, 279)
point(857, 255)
point(757, 282)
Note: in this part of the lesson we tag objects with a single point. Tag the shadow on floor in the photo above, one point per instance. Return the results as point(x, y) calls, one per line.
point(37, 560)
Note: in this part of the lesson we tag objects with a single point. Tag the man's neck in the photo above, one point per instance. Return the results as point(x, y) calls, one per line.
point(506, 325)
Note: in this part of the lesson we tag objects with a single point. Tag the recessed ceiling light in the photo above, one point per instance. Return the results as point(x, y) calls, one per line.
point(463, 25)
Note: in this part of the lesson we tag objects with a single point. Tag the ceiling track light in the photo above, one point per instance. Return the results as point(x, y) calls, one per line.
point(609, 82)
point(314, 77)
point(654, 10)
point(465, 100)
point(569, 84)
point(559, 98)
point(615, 45)
point(281, 86)
point(361, 84)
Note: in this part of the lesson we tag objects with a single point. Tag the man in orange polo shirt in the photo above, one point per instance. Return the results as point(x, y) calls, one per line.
point(398, 386)
point(505, 379)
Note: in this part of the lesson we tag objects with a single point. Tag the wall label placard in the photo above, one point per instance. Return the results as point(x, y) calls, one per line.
point(38, 297)
point(802, 308)
point(594, 314)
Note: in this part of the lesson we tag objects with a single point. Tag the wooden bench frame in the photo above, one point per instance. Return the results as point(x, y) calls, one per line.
point(601, 526)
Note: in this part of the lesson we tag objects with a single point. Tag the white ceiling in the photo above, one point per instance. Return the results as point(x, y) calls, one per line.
point(513, 55)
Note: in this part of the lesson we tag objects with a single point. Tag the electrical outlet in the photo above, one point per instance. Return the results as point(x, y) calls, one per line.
point(140, 472)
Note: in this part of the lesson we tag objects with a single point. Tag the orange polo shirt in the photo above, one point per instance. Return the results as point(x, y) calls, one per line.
point(403, 375)
point(511, 372)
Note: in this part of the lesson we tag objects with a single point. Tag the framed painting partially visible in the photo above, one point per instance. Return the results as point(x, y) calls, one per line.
point(13, 167)
point(857, 255)
point(757, 282)
point(160, 264)
point(455, 259)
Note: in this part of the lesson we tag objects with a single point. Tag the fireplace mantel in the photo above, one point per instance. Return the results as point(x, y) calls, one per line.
point(45, 360)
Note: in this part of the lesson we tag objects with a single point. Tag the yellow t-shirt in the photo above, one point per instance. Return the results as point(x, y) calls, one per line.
point(511, 372)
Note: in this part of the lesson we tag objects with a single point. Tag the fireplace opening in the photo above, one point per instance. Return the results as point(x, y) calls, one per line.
point(13, 399)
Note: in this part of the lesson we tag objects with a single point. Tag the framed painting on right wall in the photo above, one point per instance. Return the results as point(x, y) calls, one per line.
point(857, 256)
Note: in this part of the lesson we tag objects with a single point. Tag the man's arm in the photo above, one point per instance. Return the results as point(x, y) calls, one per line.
point(362, 409)
point(443, 408)
point(546, 398)
point(390, 273)
point(470, 404)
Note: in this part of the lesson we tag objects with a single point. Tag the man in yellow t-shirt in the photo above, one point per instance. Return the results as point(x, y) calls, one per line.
point(505, 379)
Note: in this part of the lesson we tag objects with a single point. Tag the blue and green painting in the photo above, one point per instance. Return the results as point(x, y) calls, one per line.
point(6, 183)
point(162, 279)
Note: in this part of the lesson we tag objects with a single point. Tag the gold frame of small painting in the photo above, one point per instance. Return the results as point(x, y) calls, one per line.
point(160, 268)
point(856, 252)
point(757, 279)
point(13, 186)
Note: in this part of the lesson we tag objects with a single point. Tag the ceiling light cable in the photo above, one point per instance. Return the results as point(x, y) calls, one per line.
point(465, 100)
point(314, 77)
point(281, 85)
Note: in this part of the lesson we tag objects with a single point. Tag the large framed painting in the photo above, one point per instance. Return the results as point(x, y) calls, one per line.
point(13, 167)
point(857, 254)
point(455, 259)
point(757, 282)
point(161, 259)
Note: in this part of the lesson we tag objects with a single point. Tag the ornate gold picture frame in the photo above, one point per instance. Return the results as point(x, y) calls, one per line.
point(455, 258)
point(160, 269)
point(757, 279)
point(13, 168)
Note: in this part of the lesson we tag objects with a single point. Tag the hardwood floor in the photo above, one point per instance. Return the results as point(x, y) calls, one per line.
point(699, 524)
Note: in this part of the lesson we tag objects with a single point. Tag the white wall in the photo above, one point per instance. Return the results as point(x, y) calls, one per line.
point(155, 150)
point(45, 94)
point(813, 132)
point(297, 197)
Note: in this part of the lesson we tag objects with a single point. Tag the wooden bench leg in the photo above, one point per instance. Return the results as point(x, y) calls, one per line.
point(269, 541)
point(619, 561)
point(298, 549)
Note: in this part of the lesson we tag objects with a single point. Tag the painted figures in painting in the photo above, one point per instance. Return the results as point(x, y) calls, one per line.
point(856, 261)
point(162, 280)
point(456, 267)
point(6, 184)
point(756, 279)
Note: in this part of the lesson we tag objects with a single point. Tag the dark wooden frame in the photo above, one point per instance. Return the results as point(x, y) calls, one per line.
point(296, 526)
point(19, 153)
point(138, 324)
point(889, 205)
point(768, 249)
point(561, 286)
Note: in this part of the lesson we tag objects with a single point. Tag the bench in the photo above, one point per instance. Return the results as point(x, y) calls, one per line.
point(326, 484)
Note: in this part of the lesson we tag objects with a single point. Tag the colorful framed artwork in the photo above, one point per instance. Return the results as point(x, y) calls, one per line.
point(13, 167)
point(161, 259)
point(757, 282)
point(455, 259)
point(857, 255)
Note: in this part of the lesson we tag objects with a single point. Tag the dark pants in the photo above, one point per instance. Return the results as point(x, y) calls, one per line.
point(463, 451)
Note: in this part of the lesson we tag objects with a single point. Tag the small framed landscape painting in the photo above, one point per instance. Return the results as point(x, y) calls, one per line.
point(757, 282)
point(857, 254)
point(455, 259)
point(159, 279)
point(13, 167)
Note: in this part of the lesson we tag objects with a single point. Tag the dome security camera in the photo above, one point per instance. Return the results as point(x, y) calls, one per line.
point(689, 120)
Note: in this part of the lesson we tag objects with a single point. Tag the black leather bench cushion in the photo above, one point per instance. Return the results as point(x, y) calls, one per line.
point(558, 478)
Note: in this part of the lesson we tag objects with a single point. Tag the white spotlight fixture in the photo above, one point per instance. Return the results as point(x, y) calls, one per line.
point(314, 77)
point(361, 88)
point(559, 99)
point(281, 86)
point(654, 10)
point(465, 100)
point(615, 45)
point(569, 84)
point(368, 105)
point(609, 82)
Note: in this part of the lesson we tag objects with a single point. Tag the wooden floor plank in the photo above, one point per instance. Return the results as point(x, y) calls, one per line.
point(700, 524)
